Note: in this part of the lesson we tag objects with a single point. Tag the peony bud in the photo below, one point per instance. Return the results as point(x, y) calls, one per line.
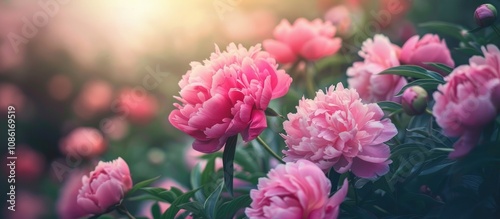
point(485, 15)
point(414, 100)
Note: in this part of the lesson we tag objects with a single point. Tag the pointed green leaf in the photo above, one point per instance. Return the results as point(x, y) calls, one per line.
point(174, 207)
point(445, 28)
point(228, 209)
point(211, 202)
point(227, 162)
point(194, 207)
point(389, 106)
point(413, 71)
point(161, 193)
point(142, 184)
point(271, 112)
point(440, 66)
point(196, 182)
point(155, 211)
point(428, 84)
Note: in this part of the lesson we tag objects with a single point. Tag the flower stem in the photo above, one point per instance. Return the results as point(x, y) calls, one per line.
point(310, 88)
point(428, 112)
point(351, 181)
point(123, 210)
point(268, 149)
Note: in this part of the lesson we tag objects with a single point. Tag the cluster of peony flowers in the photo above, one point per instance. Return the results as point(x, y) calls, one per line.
point(469, 100)
point(295, 190)
point(337, 130)
point(380, 54)
point(227, 95)
point(310, 40)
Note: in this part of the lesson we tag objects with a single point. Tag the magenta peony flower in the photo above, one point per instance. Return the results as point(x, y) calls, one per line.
point(85, 142)
point(105, 187)
point(227, 95)
point(295, 190)
point(309, 40)
point(379, 54)
point(337, 130)
point(467, 102)
point(67, 206)
point(427, 49)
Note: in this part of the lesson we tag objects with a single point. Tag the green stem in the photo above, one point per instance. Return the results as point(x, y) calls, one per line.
point(310, 80)
point(123, 210)
point(268, 149)
point(351, 181)
point(495, 29)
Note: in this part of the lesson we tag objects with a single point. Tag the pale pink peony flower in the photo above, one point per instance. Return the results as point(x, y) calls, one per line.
point(67, 206)
point(85, 142)
point(467, 102)
point(430, 48)
point(337, 130)
point(139, 107)
point(295, 190)
point(227, 95)
point(105, 187)
point(311, 40)
point(379, 54)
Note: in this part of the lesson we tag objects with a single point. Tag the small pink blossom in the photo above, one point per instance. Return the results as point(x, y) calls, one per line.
point(294, 191)
point(468, 101)
point(227, 95)
point(84, 141)
point(379, 54)
point(429, 48)
point(105, 187)
point(337, 130)
point(311, 40)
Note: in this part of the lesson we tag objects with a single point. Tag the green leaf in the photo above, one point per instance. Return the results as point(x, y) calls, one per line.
point(142, 184)
point(273, 113)
point(246, 161)
point(428, 84)
point(389, 106)
point(446, 69)
point(227, 162)
point(208, 173)
point(413, 71)
point(228, 209)
point(174, 208)
point(196, 182)
point(194, 207)
point(211, 202)
point(155, 211)
point(445, 28)
point(435, 168)
point(161, 193)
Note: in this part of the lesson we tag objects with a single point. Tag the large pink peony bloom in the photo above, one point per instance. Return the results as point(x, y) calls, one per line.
point(337, 130)
point(67, 206)
point(468, 100)
point(428, 49)
point(309, 40)
point(295, 190)
point(83, 142)
point(227, 95)
point(105, 187)
point(379, 54)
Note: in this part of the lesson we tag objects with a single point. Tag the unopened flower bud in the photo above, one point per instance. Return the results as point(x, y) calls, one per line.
point(414, 100)
point(485, 15)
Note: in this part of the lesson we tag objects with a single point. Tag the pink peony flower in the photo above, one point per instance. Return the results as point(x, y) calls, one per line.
point(139, 107)
point(337, 130)
point(467, 102)
point(67, 206)
point(379, 54)
point(427, 49)
point(227, 95)
point(105, 187)
point(309, 40)
point(85, 142)
point(295, 190)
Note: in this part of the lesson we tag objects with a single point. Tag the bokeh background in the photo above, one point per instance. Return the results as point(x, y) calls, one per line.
point(113, 65)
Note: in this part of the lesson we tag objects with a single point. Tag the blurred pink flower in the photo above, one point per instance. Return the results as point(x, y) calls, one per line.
point(340, 17)
point(139, 107)
point(145, 208)
point(11, 95)
point(85, 142)
point(28, 206)
point(337, 130)
point(32, 164)
point(311, 40)
point(428, 49)
point(295, 190)
point(115, 127)
point(227, 96)
point(59, 87)
point(379, 54)
point(67, 206)
point(105, 187)
point(467, 102)
point(94, 98)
